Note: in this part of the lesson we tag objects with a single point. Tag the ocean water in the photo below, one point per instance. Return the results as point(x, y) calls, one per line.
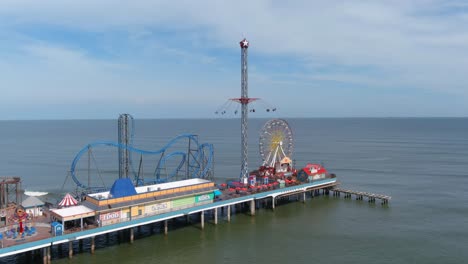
point(421, 162)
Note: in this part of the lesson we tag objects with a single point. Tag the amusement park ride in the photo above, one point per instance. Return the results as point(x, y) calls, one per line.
point(275, 143)
point(166, 164)
point(196, 159)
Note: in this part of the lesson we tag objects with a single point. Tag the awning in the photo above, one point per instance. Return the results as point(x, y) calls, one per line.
point(72, 213)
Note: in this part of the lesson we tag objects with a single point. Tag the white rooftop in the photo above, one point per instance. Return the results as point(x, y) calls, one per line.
point(157, 187)
point(72, 211)
point(32, 201)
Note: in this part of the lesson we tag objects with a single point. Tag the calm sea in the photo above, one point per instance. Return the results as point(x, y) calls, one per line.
point(421, 162)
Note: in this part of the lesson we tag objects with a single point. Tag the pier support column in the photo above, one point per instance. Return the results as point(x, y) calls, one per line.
point(49, 257)
point(216, 216)
point(131, 235)
point(165, 227)
point(202, 219)
point(188, 218)
point(229, 213)
point(304, 197)
point(273, 203)
point(44, 256)
point(252, 207)
point(70, 249)
point(93, 245)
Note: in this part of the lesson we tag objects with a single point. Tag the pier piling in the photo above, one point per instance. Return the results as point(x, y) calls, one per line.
point(252, 207)
point(202, 219)
point(70, 249)
point(229, 213)
point(165, 227)
point(216, 216)
point(44, 255)
point(131, 235)
point(49, 255)
point(93, 245)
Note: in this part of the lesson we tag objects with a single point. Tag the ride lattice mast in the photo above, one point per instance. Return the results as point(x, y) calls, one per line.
point(244, 100)
point(125, 136)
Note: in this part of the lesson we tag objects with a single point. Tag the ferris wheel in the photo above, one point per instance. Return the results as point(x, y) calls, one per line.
point(276, 142)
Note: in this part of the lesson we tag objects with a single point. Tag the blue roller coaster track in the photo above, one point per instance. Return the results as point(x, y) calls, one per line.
point(198, 160)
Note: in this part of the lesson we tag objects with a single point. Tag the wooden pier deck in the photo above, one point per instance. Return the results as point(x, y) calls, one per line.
point(371, 197)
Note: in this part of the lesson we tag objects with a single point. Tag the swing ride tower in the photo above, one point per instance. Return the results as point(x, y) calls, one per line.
point(244, 100)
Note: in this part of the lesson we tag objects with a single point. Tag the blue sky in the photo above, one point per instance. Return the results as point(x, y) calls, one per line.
point(181, 59)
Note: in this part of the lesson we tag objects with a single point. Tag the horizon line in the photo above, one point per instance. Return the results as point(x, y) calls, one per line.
point(231, 118)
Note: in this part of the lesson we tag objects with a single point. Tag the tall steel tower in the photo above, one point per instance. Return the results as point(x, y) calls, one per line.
point(244, 100)
point(125, 124)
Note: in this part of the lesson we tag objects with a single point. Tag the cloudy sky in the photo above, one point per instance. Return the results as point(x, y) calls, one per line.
point(181, 59)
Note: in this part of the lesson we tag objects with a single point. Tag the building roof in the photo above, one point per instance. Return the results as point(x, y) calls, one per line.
point(32, 201)
point(155, 187)
point(73, 212)
point(122, 187)
point(68, 200)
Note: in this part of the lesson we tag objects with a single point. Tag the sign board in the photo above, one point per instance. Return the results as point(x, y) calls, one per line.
point(110, 218)
point(157, 208)
point(204, 198)
point(183, 202)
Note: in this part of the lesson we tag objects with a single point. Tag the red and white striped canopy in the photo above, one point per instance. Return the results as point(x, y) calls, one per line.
point(68, 200)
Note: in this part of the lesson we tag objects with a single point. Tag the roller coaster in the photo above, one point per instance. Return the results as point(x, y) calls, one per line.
point(196, 161)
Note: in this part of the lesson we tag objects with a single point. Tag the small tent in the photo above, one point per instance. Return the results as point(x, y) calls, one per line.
point(68, 200)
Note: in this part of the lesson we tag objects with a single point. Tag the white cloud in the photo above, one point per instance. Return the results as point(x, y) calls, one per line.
point(55, 75)
point(417, 44)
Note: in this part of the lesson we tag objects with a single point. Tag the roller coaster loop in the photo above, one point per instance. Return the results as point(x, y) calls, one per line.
point(200, 165)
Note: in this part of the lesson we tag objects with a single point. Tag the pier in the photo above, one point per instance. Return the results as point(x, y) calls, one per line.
point(371, 197)
point(224, 208)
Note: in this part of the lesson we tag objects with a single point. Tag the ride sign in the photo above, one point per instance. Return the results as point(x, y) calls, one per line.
point(204, 198)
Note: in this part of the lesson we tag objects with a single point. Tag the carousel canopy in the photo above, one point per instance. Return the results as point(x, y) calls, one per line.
point(68, 200)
